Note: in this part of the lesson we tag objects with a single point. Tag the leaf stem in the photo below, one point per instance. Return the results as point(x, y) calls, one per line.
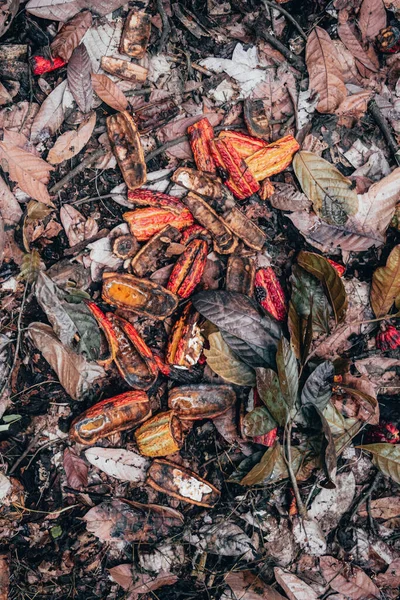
point(288, 461)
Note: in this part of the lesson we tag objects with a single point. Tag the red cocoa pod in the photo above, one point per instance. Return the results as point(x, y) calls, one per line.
point(240, 179)
point(146, 222)
point(388, 338)
point(200, 134)
point(188, 269)
point(269, 293)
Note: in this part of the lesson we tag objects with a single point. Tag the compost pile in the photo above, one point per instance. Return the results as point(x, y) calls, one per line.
point(200, 299)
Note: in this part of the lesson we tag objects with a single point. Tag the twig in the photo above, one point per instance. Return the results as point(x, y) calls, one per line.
point(194, 66)
point(165, 25)
point(82, 245)
point(91, 158)
point(26, 452)
point(367, 494)
point(287, 15)
point(288, 461)
point(385, 130)
point(290, 56)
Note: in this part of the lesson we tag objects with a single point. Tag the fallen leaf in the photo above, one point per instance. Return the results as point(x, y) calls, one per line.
point(293, 586)
point(269, 390)
point(223, 538)
point(10, 210)
point(371, 19)
point(102, 39)
point(19, 117)
point(71, 143)
point(79, 78)
point(123, 575)
point(62, 10)
point(386, 284)
point(110, 93)
point(286, 197)
point(391, 577)
point(262, 471)
point(248, 586)
point(70, 35)
point(348, 579)
point(366, 62)
point(77, 227)
point(4, 576)
point(51, 114)
point(382, 508)
point(119, 463)
point(331, 504)
point(288, 372)
point(76, 374)
point(140, 583)
point(223, 362)
point(317, 389)
point(309, 535)
point(75, 469)
point(324, 71)
point(9, 9)
point(258, 422)
point(355, 105)
point(386, 457)
point(5, 97)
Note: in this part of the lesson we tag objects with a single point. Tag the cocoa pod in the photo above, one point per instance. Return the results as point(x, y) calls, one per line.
point(188, 269)
point(272, 159)
point(125, 246)
point(126, 145)
point(124, 69)
point(204, 401)
point(178, 482)
point(269, 293)
point(244, 228)
point(240, 275)
point(185, 342)
point(240, 179)
point(110, 416)
point(200, 135)
point(136, 34)
point(148, 259)
point(205, 185)
point(141, 296)
point(256, 118)
point(160, 436)
point(245, 145)
point(156, 199)
point(146, 222)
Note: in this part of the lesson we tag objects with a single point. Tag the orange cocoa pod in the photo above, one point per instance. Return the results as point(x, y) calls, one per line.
point(240, 179)
point(193, 232)
point(110, 416)
point(178, 482)
point(240, 275)
point(269, 293)
point(245, 145)
point(146, 222)
point(107, 329)
point(147, 260)
point(141, 296)
point(200, 134)
point(156, 199)
point(272, 159)
point(204, 401)
point(160, 436)
point(136, 34)
point(185, 342)
point(126, 145)
point(188, 269)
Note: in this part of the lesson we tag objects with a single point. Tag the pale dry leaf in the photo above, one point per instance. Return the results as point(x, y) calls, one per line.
point(122, 464)
point(5, 487)
point(102, 39)
point(77, 227)
point(163, 558)
point(330, 504)
point(382, 371)
point(62, 10)
point(5, 97)
point(276, 101)
point(371, 19)
point(348, 579)
point(391, 577)
point(293, 586)
point(109, 92)
point(221, 538)
point(30, 172)
point(387, 507)
point(355, 105)
point(248, 586)
point(70, 143)
point(70, 35)
point(363, 58)
point(123, 575)
point(348, 63)
point(143, 583)
point(309, 536)
point(19, 117)
point(76, 374)
point(325, 71)
point(75, 469)
point(9, 9)
point(386, 284)
point(287, 197)
point(10, 209)
point(79, 78)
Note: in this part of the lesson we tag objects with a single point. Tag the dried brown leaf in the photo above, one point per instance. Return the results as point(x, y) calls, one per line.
point(10, 210)
point(286, 197)
point(246, 585)
point(77, 227)
point(325, 71)
point(294, 587)
point(371, 19)
point(386, 457)
point(347, 579)
point(275, 98)
point(62, 10)
point(386, 284)
point(140, 583)
point(75, 469)
point(382, 508)
point(70, 35)
point(4, 576)
point(391, 577)
point(79, 78)
point(5, 97)
point(366, 59)
point(9, 9)
point(71, 143)
point(50, 115)
point(355, 105)
point(110, 93)
point(19, 117)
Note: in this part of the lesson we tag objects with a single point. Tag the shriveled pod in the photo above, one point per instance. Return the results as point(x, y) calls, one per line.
point(125, 142)
point(204, 401)
point(240, 275)
point(206, 185)
point(188, 269)
point(178, 482)
point(141, 296)
point(136, 34)
point(185, 342)
point(148, 259)
point(146, 222)
point(161, 435)
point(124, 69)
point(194, 232)
point(244, 228)
point(110, 416)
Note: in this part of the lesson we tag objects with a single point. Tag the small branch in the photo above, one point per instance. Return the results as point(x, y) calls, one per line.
point(82, 245)
point(31, 444)
point(90, 159)
point(290, 56)
point(287, 15)
point(364, 497)
point(385, 130)
point(194, 66)
point(288, 460)
point(166, 29)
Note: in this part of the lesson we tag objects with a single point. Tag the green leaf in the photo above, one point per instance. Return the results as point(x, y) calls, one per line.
point(308, 297)
point(326, 187)
point(319, 267)
point(270, 393)
point(386, 457)
point(258, 422)
point(337, 422)
point(265, 467)
point(288, 372)
point(280, 469)
point(329, 451)
point(224, 362)
point(9, 420)
point(385, 286)
point(317, 390)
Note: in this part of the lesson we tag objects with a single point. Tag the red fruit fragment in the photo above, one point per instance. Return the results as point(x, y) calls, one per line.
point(388, 338)
point(43, 65)
point(269, 293)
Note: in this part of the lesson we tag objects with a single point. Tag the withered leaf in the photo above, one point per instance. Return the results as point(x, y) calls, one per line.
point(263, 470)
point(70, 35)
point(382, 508)
point(77, 227)
point(348, 579)
point(75, 469)
point(286, 197)
point(9, 9)
point(363, 58)
point(71, 143)
point(252, 355)
point(50, 115)
point(293, 586)
point(10, 210)
point(258, 422)
point(5, 97)
point(79, 78)
point(62, 10)
point(317, 389)
point(386, 457)
point(222, 538)
point(75, 373)
point(248, 586)
point(125, 465)
point(371, 18)
point(109, 92)
point(325, 71)
point(288, 372)
point(224, 362)
point(329, 190)
point(270, 393)
point(386, 284)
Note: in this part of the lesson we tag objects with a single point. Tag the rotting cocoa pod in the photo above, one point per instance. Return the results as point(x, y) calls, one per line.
point(205, 185)
point(193, 233)
point(224, 240)
point(107, 329)
point(240, 181)
point(146, 222)
point(144, 197)
point(148, 259)
point(240, 275)
point(178, 482)
point(124, 69)
point(110, 416)
point(160, 436)
point(272, 159)
point(134, 368)
point(245, 145)
point(200, 135)
point(140, 296)
point(188, 269)
point(136, 34)
point(126, 145)
point(244, 228)
point(185, 343)
point(256, 118)
point(125, 246)
point(204, 401)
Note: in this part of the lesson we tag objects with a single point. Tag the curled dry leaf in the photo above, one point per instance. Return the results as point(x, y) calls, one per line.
point(77, 227)
point(366, 62)
point(10, 210)
point(347, 579)
point(50, 115)
point(119, 463)
point(325, 71)
point(293, 586)
point(75, 469)
point(262, 471)
point(71, 143)
point(386, 284)
point(79, 80)
point(109, 92)
point(76, 374)
point(224, 362)
point(386, 457)
point(70, 35)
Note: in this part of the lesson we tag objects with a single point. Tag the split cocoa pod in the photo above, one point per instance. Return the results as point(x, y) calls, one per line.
point(110, 416)
point(204, 401)
point(161, 435)
point(126, 145)
point(185, 343)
